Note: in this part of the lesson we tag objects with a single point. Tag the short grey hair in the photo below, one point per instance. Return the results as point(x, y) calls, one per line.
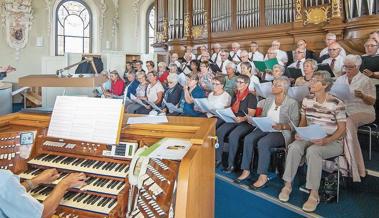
point(280, 67)
point(232, 65)
point(312, 62)
point(326, 78)
point(331, 36)
point(356, 59)
point(162, 64)
point(286, 83)
point(173, 65)
point(173, 78)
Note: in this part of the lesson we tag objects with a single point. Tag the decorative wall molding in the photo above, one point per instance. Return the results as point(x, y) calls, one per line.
point(103, 9)
point(49, 8)
point(115, 24)
point(16, 19)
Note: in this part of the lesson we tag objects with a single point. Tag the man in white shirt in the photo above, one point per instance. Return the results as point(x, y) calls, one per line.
point(203, 49)
point(189, 50)
point(216, 57)
point(254, 54)
point(280, 54)
point(299, 60)
point(205, 56)
point(174, 59)
point(329, 39)
point(224, 61)
point(335, 59)
point(235, 53)
point(273, 53)
point(245, 58)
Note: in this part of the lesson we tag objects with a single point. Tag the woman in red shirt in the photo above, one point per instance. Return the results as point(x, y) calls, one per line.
point(117, 85)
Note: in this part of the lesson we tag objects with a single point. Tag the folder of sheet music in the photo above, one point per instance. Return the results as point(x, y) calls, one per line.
point(87, 119)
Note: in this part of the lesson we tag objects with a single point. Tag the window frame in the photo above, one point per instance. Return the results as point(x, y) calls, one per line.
point(58, 25)
point(147, 39)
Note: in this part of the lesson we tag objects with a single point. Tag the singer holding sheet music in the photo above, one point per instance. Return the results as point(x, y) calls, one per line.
point(154, 93)
point(360, 109)
point(329, 112)
point(242, 103)
point(117, 85)
point(172, 94)
point(281, 109)
point(140, 93)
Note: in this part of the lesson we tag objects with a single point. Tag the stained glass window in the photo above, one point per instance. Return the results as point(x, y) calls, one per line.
point(73, 27)
point(150, 34)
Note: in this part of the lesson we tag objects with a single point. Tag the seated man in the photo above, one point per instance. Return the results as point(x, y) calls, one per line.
point(299, 60)
point(280, 54)
point(370, 59)
point(235, 53)
point(16, 202)
point(335, 59)
point(330, 114)
point(302, 44)
point(329, 39)
point(254, 54)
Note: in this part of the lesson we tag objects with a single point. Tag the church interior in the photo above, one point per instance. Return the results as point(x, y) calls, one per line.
point(189, 108)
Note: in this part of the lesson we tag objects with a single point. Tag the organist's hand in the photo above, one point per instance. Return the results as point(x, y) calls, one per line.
point(73, 180)
point(46, 177)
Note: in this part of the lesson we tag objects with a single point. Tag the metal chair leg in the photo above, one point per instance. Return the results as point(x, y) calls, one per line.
point(369, 144)
point(338, 179)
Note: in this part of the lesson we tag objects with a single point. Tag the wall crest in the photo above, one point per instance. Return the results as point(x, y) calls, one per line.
point(17, 18)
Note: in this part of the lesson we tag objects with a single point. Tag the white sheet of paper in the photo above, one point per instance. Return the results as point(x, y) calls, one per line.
point(137, 100)
point(86, 119)
point(147, 120)
point(172, 108)
point(182, 79)
point(264, 124)
point(311, 132)
point(298, 92)
point(154, 106)
point(171, 149)
point(263, 89)
point(204, 105)
point(341, 91)
point(226, 114)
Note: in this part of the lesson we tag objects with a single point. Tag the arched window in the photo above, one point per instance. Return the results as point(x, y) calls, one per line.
point(150, 31)
point(73, 27)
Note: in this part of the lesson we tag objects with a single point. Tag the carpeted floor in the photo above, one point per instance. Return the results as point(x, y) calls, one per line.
point(356, 201)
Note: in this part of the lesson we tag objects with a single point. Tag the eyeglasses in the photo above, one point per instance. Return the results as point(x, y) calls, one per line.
point(277, 85)
point(216, 84)
point(370, 46)
point(333, 49)
point(240, 82)
point(314, 80)
point(347, 67)
point(299, 52)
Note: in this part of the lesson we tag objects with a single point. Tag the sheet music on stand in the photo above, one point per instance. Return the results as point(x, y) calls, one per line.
point(87, 119)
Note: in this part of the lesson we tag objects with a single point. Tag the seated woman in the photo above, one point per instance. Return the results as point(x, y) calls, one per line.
point(172, 94)
point(131, 84)
point(243, 103)
point(218, 98)
point(230, 78)
point(163, 73)
point(117, 85)
point(360, 109)
point(195, 66)
point(310, 66)
point(246, 69)
point(190, 91)
point(329, 112)
point(154, 92)
point(277, 72)
point(140, 93)
point(205, 77)
point(281, 109)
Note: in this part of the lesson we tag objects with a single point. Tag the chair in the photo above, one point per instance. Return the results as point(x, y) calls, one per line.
point(338, 168)
point(372, 127)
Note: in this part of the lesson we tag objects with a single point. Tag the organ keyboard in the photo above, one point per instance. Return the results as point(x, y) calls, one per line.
point(167, 186)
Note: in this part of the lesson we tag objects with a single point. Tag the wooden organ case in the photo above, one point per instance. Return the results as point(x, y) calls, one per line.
point(170, 188)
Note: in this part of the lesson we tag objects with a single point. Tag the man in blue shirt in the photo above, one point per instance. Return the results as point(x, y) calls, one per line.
point(15, 202)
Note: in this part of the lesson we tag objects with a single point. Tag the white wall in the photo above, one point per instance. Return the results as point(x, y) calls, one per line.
point(30, 57)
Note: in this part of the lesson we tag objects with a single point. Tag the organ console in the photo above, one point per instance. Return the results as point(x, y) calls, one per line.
point(168, 188)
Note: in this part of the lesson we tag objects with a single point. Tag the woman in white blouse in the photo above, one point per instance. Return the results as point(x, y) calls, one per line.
point(154, 92)
point(218, 98)
point(247, 69)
